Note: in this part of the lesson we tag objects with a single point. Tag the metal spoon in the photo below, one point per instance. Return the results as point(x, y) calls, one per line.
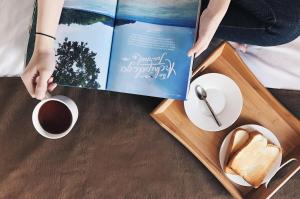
point(202, 95)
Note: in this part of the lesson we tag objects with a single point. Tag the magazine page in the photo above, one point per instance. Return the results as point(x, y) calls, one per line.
point(149, 54)
point(84, 40)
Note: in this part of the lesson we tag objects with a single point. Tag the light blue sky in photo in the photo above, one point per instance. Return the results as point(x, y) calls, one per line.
point(163, 9)
point(106, 7)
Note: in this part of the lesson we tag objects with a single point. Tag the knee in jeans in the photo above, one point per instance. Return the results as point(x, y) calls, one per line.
point(285, 33)
point(287, 30)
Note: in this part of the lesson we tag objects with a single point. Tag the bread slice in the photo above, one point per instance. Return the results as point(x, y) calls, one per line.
point(254, 161)
point(238, 140)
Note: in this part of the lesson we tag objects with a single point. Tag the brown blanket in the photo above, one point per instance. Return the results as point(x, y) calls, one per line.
point(115, 151)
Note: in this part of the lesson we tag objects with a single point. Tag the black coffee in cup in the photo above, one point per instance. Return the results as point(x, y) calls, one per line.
point(55, 117)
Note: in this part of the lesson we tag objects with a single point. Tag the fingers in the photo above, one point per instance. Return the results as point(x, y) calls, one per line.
point(42, 84)
point(193, 50)
point(244, 48)
point(37, 75)
point(197, 49)
point(240, 47)
point(50, 80)
point(28, 78)
point(51, 87)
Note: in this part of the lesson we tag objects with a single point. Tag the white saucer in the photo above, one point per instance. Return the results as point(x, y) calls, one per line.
point(224, 96)
point(250, 127)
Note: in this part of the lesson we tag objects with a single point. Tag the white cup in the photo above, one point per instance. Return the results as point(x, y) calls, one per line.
point(69, 103)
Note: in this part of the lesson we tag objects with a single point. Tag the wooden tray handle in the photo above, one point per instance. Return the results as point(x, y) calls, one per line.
point(280, 168)
point(293, 164)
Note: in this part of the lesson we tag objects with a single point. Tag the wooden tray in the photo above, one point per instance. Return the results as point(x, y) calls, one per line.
point(260, 107)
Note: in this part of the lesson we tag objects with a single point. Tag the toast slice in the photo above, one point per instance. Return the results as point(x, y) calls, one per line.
point(254, 161)
point(238, 140)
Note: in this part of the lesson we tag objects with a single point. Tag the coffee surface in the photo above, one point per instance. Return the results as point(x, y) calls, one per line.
point(55, 117)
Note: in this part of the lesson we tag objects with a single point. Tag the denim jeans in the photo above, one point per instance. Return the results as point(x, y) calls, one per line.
point(260, 22)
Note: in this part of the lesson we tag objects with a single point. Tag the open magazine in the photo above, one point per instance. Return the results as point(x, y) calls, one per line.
point(130, 46)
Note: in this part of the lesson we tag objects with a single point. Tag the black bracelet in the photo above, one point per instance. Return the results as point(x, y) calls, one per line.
point(40, 33)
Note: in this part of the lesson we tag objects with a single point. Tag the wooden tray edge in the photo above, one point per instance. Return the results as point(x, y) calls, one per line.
point(267, 96)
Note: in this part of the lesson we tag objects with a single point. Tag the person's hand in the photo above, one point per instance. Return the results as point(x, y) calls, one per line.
point(239, 47)
point(209, 23)
point(37, 76)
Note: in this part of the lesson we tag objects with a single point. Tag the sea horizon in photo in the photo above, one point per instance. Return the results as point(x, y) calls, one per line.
point(105, 7)
point(168, 12)
point(163, 12)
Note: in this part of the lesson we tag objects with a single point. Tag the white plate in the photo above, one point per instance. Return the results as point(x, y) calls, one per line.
point(224, 96)
point(250, 127)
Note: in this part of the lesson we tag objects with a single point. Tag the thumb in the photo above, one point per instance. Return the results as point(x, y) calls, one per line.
point(191, 52)
point(195, 49)
point(42, 84)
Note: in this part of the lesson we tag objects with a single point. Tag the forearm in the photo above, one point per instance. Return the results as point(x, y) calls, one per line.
point(217, 9)
point(212, 17)
point(209, 22)
point(48, 16)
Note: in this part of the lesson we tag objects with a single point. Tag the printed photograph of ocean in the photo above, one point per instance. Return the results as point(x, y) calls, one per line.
point(84, 40)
